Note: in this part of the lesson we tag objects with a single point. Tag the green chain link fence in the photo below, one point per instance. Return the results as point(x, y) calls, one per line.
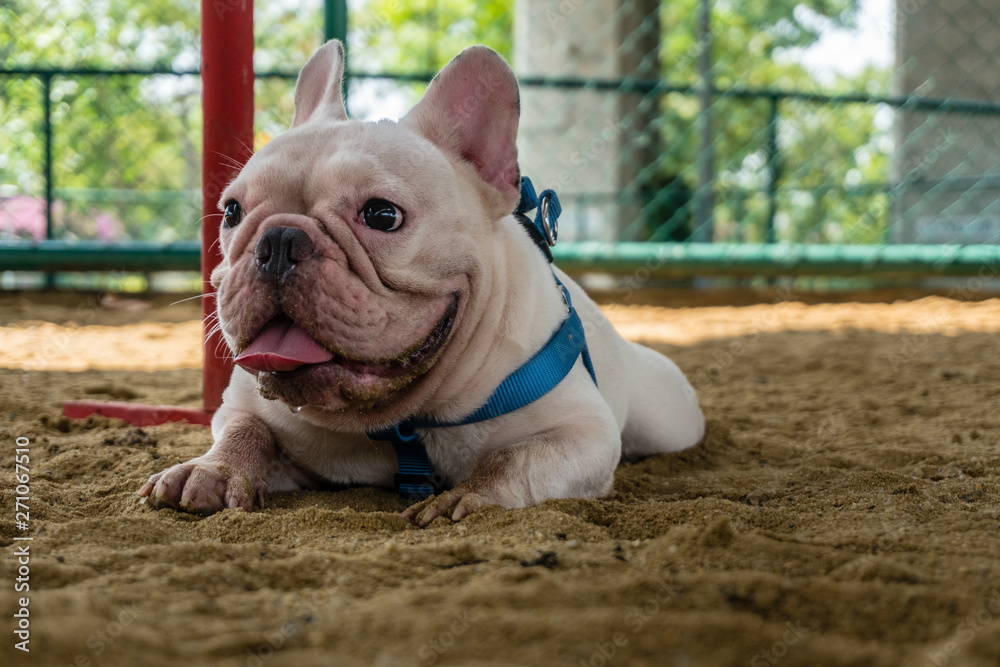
point(727, 138)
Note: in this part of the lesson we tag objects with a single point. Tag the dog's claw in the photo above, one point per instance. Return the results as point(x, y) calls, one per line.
point(457, 502)
point(203, 486)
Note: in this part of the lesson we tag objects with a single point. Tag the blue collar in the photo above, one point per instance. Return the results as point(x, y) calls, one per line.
point(416, 478)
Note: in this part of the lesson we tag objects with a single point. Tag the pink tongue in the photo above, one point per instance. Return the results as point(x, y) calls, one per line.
point(282, 346)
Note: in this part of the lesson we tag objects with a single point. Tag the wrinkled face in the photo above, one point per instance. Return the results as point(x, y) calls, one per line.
point(353, 252)
point(348, 260)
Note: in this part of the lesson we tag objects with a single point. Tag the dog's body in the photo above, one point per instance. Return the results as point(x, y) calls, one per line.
point(373, 272)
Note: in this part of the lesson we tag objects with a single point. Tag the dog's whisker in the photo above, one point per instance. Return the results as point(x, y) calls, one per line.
point(249, 149)
point(229, 160)
point(196, 296)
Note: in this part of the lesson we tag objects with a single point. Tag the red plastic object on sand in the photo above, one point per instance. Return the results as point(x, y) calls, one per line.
point(227, 110)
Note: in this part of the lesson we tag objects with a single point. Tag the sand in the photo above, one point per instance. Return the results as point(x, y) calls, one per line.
point(843, 510)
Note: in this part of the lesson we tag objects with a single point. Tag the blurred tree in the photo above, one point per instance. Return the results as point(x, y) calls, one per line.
point(421, 36)
point(828, 152)
point(418, 37)
point(128, 133)
point(135, 133)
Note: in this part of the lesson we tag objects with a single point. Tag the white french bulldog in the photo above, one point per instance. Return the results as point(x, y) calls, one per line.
point(373, 272)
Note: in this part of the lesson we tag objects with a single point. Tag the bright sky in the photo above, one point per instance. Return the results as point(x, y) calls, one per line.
point(847, 52)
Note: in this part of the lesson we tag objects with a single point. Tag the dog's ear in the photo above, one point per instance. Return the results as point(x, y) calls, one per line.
point(470, 110)
point(317, 92)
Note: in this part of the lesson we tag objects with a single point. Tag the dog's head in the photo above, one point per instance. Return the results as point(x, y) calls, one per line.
point(354, 254)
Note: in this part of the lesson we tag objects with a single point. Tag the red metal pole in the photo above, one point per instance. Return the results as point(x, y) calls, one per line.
point(227, 107)
point(227, 119)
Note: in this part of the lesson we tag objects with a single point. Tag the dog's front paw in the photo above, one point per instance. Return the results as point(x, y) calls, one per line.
point(459, 502)
point(203, 486)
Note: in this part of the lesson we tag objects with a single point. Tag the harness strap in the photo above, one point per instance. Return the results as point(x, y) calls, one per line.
point(545, 230)
point(538, 376)
point(416, 478)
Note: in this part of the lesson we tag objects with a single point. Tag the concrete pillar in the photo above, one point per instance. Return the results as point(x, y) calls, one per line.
point(947, 165)
point(591, 146)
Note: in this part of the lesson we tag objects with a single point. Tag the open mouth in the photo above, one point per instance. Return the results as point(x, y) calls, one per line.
point(285, 350)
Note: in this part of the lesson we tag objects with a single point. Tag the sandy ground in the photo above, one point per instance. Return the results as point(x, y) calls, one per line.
point(844, 510)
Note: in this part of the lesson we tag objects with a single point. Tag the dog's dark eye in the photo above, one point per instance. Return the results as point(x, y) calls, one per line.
point(382, 215)
point(232, 213)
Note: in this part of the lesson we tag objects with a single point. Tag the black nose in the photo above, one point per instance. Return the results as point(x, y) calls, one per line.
point(279, 250)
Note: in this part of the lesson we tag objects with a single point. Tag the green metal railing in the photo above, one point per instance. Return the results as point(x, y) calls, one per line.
point(656, 259)
point(676, 259)
point(647, 260)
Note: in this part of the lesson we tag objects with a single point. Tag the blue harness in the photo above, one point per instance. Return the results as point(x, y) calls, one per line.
point(416, 478)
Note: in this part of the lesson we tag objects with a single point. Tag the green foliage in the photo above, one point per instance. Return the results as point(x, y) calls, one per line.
point(141, 137)
point(818, 198)
point(108, 33)
point(125, 133)
point(827, 152)
point(136, 136)
point(421, 36)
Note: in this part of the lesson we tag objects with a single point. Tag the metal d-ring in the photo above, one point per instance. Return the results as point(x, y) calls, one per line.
point(551, 229)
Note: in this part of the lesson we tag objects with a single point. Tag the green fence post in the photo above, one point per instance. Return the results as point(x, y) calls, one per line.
point(50, 278)
point(335, 20)
point(705, 193)
point(47, 134)
point(773, 167)
point(335, 27)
